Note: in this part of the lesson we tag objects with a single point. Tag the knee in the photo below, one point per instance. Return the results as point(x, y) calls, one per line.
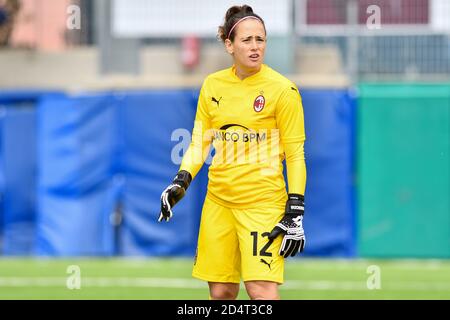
point(224, 291)
point(262, 291)
point(262, 295)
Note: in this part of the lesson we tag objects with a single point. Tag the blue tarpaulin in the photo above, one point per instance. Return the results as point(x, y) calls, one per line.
point(329, 152)
point(76, 143)
point(18, 170)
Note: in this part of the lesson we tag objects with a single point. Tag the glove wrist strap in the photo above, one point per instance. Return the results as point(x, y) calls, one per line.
point(296, 196)
point(183, 178)
point(295, 205)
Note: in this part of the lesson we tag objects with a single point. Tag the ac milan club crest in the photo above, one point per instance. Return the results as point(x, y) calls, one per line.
point(259, 103)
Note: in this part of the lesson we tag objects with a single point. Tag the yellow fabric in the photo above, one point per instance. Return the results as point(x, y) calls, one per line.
point(226, 245)
point(250, 142)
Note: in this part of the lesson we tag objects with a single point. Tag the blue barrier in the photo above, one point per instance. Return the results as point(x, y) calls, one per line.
point(76, 141)
point(148, 120)
point(104, 159)
point(329, 151)
point(18, 170)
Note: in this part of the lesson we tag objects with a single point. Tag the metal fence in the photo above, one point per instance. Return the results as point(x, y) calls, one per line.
point(380, 40)
point(371, 39)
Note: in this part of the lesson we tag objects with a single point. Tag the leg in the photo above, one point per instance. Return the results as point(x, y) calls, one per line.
point(262, 267)
point(262, 290)
point(218, 259)
point(223, 291)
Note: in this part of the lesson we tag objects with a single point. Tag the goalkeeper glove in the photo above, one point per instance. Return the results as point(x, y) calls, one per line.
point(173, 193)
point(291, 227)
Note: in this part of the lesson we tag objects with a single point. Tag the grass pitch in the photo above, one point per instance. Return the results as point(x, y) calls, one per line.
point(170, 279)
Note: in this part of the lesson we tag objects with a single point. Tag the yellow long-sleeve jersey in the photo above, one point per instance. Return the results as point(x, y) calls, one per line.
point(253, 124)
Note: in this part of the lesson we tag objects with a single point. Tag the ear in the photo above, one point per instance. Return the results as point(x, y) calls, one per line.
point(229, 46)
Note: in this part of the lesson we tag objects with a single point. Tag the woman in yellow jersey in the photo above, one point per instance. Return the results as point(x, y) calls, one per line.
point(253, 117)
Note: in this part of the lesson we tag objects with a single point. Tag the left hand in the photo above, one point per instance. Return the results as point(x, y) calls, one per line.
point(291, 227)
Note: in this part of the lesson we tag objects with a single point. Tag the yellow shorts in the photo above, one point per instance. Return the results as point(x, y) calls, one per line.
point(233, 244)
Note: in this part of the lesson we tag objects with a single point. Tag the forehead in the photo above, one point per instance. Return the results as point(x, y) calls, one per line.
point(250, 27)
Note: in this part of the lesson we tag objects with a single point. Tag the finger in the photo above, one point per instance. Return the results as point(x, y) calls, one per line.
point(169, 215)
point(166, 209)
point(283, 247)
point(162, 217)
point(287, 248)
point(165, 201)
point(302, 246)
point(275, 233)
point(162, 213)
point(290, 248)
point(296, 247)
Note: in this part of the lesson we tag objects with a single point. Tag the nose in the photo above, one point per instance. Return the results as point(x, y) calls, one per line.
point(254, 45)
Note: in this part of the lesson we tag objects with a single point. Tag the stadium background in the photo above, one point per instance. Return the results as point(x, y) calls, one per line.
point(96, 98)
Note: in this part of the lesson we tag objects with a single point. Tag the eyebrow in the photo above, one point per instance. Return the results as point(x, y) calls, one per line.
point(249, 37)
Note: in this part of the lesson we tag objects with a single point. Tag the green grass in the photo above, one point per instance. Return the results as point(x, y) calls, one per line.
point(171, 279)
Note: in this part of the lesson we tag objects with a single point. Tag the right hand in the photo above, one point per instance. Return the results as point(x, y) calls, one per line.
point(174, 193)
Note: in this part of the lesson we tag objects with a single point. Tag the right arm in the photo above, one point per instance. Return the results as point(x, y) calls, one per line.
point(198, 150)
point(192, 161)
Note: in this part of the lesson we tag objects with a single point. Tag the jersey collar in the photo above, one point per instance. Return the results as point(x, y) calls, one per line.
point(251, 78)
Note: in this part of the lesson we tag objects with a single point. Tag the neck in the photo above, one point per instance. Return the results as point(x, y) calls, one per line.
point(242, 73)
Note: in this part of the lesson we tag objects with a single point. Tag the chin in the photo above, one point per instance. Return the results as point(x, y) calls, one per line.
point(254, 65)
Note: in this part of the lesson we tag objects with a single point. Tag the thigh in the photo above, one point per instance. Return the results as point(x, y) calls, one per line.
point(260, 259)
point(217, 257)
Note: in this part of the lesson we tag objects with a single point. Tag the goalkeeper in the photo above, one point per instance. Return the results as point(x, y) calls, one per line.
point(253, 117)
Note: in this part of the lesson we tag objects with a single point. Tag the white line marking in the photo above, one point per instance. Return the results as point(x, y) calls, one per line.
point(318, 285)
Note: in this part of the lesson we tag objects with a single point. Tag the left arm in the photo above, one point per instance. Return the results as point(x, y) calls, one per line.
point(290, 122)
point(289, 116)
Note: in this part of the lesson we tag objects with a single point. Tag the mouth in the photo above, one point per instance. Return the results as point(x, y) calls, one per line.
point(254, 57)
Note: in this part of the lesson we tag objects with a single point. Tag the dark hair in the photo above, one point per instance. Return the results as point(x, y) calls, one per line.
point(233, 15)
